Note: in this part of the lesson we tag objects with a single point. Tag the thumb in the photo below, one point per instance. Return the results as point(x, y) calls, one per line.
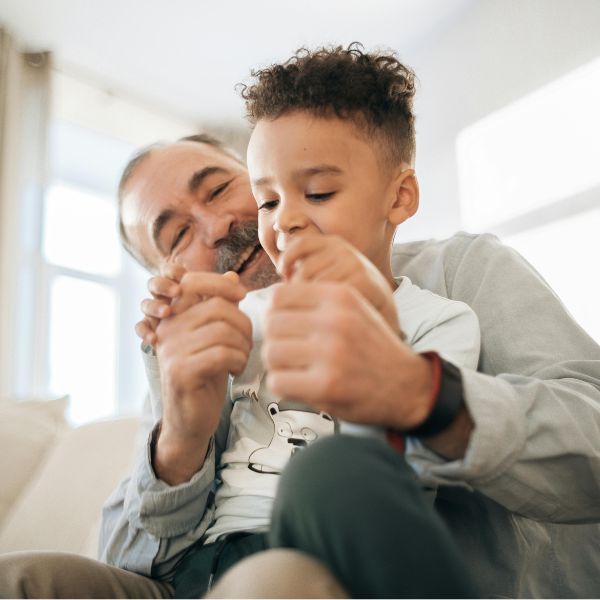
point(232, 276)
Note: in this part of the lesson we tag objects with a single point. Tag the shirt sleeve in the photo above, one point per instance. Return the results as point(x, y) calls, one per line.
point(433, 323)
point(535, 403)
point(147, 524)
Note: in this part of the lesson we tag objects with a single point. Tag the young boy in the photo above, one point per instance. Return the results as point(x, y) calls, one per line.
point(330, 161)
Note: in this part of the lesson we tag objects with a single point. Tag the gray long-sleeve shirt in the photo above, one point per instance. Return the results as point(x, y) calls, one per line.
point(524, 502)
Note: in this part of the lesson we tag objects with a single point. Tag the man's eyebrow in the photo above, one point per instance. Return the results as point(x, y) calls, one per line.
point(159, 224)
point(198, 178)
point(309, 171)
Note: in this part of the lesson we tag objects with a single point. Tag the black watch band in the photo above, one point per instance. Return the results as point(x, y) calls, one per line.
point(448, 402)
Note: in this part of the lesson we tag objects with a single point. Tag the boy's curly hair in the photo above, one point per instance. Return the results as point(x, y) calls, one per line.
point(374, 90)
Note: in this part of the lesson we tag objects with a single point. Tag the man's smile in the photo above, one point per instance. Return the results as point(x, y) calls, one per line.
point(247, 258)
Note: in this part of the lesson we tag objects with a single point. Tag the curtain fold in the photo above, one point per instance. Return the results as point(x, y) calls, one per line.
point(25, 93)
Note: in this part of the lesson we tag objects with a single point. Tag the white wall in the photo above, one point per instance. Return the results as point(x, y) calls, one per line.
point(498, 51)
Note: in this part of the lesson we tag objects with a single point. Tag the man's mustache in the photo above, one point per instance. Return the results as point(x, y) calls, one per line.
point(244, 236)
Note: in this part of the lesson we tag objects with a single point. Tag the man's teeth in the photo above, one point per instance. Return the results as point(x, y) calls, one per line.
point(243, 258)
point(280, 243)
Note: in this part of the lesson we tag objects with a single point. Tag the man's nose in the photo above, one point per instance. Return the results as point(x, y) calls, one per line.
point(215, 228)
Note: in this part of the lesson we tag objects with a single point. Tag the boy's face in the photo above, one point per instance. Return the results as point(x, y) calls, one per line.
point(314, 175)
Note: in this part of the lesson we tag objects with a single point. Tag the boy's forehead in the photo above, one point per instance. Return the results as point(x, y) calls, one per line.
point(303, 134)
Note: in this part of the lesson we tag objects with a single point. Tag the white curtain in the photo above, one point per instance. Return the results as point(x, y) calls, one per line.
point(24, 117)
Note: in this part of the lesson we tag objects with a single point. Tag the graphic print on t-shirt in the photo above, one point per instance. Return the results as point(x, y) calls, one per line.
point(293, 429)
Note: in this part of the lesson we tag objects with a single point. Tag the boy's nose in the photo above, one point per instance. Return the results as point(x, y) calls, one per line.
point(289, 219)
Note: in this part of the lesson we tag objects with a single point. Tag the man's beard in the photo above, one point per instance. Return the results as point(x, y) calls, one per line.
point(239, 240)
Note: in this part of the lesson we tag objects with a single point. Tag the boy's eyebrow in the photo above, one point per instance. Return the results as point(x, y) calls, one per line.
point(309, 171)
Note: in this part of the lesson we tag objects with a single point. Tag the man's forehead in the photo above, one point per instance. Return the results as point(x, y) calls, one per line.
point(168, 170)
point(190, 152)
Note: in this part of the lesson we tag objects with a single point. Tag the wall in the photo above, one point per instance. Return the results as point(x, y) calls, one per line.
point(498, 51)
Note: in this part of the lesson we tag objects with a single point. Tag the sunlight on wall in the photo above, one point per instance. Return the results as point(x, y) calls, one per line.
point(530, 173)
point(540, 149)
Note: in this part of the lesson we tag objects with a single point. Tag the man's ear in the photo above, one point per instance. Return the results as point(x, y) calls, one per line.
point(406, 196)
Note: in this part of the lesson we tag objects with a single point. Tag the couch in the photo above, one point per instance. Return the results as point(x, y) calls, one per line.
point(55, 478)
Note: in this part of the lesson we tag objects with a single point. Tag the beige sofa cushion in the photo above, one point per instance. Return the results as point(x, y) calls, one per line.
point(28, 431)
point(61, 508)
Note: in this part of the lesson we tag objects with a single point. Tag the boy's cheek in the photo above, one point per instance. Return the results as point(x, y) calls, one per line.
point(267, 241)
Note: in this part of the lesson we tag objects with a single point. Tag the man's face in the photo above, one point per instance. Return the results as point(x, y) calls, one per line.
point(314, 175)
point(191, 204)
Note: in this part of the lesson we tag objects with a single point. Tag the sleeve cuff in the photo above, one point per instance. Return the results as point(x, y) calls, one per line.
point(496, 441)
point(164, 510)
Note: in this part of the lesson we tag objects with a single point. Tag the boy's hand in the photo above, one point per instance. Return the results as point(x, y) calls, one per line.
point(164, 289)
point(172, 292)
point(331, 258)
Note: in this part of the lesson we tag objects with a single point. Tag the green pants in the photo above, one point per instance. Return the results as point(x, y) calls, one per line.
point(355, 505)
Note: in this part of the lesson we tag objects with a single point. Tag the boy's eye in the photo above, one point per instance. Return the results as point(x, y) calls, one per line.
point(320, 197)
point(178, 237)
point(268, 205)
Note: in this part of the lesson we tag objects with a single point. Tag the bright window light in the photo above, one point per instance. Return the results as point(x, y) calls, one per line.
point(83, 346)
point(80, 230)
point(551, 249)
point(540, 149)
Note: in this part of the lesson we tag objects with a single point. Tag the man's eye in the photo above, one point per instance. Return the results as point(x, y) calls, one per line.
point(214, 193)
point(178, 238)
point(320, 197)
point(269, 205)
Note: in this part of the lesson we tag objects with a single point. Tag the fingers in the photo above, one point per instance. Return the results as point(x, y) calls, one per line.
point(145, 330)
point(317, 267)
point(163, 288)
point(221, 333)
point(212, 310)
point(213, 336)
point(303, 385)
point(294, 296)
point(287, 354)
point(232, 276)
point(288, 323)
point(298, 250)
point(205, 284)
point(173, 271)
point(155, 309)
point(215, 361)
point(170, 297)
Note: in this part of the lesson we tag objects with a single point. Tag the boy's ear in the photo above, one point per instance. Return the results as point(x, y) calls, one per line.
point(406, 197)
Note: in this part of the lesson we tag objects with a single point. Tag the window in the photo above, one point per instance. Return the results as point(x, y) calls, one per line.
point(91, 289)
point(529, 173)
point(85, 303)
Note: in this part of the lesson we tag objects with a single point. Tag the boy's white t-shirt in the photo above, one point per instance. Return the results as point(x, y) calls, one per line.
point(266, 431)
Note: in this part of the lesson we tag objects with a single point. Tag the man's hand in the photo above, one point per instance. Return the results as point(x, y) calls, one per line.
point(330, 258)
point(325, 345)
point(197, 347)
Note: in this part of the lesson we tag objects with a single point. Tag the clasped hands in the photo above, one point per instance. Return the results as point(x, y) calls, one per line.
point(331, 340)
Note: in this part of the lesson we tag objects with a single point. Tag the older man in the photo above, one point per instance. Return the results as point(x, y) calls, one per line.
point(517, 470)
